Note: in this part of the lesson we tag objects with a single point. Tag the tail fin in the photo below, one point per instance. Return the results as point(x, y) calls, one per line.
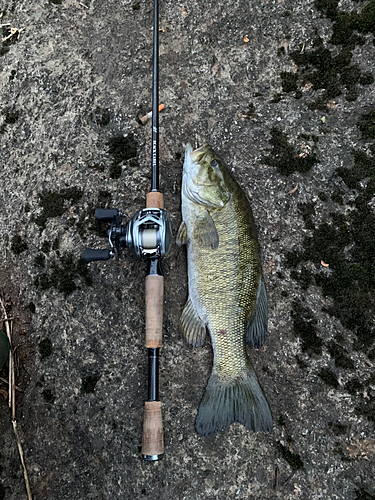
point(235, 400)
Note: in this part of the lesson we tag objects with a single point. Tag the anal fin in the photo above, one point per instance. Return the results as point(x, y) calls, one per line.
point(193, 328)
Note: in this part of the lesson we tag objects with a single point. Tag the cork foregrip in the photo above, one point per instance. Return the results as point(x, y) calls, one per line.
point(152, 440)
point(154, 310)
point(154, 199)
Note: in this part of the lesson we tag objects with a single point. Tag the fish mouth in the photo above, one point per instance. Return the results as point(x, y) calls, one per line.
point(198, 154)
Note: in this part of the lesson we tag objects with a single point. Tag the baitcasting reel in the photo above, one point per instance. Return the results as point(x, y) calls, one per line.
point(148, 234)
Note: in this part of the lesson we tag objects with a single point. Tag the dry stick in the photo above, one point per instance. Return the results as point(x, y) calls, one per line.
point(12, 397)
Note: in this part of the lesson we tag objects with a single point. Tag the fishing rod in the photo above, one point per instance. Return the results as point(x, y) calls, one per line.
point(149, 237)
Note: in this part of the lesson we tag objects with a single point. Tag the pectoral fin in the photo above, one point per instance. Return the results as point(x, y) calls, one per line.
point(257, 327)
point(193, 328)
point(205, 232)
point(182, 236)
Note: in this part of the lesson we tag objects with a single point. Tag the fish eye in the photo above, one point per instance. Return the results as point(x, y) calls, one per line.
point(214, 164)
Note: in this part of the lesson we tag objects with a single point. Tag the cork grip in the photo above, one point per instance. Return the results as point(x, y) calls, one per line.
point(152, 440)
point(154, 199)
point(154, 310)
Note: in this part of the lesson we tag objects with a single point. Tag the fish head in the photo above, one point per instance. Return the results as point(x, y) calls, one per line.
point(203, 179)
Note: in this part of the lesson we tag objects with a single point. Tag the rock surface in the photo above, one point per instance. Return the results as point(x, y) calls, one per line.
point(287, 105)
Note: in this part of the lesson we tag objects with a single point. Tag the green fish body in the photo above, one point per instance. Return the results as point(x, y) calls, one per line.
point(226, 291)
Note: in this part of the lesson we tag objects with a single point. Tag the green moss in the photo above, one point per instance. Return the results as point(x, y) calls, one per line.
point(276, 98)
point(31, 307)
point(40, 260)
point(362, 494)
point(304, 327)
point(64, 274)
point(327, 70)
point(18, 244)
point(329, 377)
point(293, 459)
point(48, 396)
point(284, 157)
point(366, 124)
point(351, 281)
point(46, 247)
point(54, 203)
point(122, 149)
point(88, 383)
point(338, 428)
point(353, 386)
point(289, 81)
point(308, 211)
point(45, 348)
point(340, 355)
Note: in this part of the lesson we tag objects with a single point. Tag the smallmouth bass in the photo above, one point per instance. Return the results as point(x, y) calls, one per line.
point(226, 291)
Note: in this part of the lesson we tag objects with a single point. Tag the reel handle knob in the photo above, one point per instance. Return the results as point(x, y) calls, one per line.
point(106, 214)
point(91, 254)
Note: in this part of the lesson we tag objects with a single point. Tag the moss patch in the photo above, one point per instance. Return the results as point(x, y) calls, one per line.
point(366, 124)
point(347, 244)
point(18, 244)
point(122, 149)
point(326, 69)
point(88, 383)
point(54, 203)
point(64, 274)
point(329, 377)
point(45, 348)
point(49, 396)
point(362, 494)
point(304, 327)
point(284, 157)
point(293, 459)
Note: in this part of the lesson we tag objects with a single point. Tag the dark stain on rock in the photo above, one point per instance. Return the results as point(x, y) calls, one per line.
point(40, 260)
point(366, 124)
point(54, 203)
point(48, 396)
point(18, 244)
point(289, 81)
point(285, 158)
point(308, 211)
point(64, 274)
point(88, 383)
point(45, 348)
point(122, 149)
point(340, 355)
point(362, 494)
point(329, 377)
point(338, 428)
point(304, 327)
point(347, 244)
point(293, 459)
point(100, 116)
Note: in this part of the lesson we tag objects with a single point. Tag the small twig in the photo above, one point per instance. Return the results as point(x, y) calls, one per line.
point(20, 451)
point(6, 382)
point(12, 395)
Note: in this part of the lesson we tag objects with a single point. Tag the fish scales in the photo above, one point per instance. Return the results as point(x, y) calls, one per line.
point(225, 291)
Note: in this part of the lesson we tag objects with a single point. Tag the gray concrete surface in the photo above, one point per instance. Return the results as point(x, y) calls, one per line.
point(76, 76)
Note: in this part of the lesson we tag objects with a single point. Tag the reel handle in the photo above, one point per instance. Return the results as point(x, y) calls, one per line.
point(106, 214)
point(91, 254)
